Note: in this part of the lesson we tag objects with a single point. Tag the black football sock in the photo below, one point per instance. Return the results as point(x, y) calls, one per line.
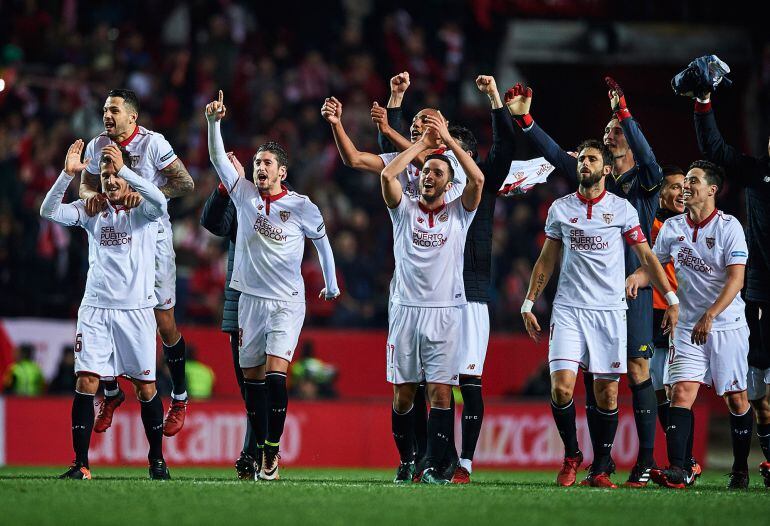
point(564, 416)
point(111, 388)
point(175, 358)
point(763, 433)
point(249, 438)
point(741, 427)
point(663, 414)
point(606, 427)
point(152, 419)
point(677, 434)
point(420, 423)
point(256, 413)
point(402, 425)
point(645, 406)
point(450, 453)
point(82, 425)
point(277, 402)
point(588, 381)
point(439, 422)
point(473, 415)
point(690, 438)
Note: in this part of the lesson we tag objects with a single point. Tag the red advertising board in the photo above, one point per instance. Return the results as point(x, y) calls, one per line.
point(514, 435)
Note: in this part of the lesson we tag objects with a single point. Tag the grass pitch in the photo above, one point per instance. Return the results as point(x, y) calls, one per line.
point(32, 495)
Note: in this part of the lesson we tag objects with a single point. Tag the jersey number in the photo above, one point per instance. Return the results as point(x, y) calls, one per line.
point(79, 342)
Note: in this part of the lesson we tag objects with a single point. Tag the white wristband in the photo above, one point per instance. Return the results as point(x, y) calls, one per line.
point(671, 298)
point(527, 306)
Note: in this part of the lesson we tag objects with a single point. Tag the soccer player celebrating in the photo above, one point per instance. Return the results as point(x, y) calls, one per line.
point(153, 158)
point(671, 204)
point(754, 174)
point(115, 327)
point(588, 323)
point(709, 252)
point(636, 176)
point(427, 291)
point(273, 223)
point(478, 249)
point(369, 162)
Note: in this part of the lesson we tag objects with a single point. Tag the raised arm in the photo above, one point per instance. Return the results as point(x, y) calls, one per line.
point(519, 100)
point(388, 120)
point(714, 148)
point(215, 112)
point(331, 111)
point(52, 207)
point(392, 191)
point(650, 174)
point(471, 196)
point(498, 161)
point(541, 274)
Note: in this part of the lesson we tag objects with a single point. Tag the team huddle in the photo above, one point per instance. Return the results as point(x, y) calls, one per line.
point(650, 282)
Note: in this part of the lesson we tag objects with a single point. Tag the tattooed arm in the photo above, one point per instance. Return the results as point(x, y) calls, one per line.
point(541, 273)
point(179, 181)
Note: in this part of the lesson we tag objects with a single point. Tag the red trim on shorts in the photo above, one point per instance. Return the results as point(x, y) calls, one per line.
point(581, 364)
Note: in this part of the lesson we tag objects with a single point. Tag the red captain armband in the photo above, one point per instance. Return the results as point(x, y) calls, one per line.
point(622, 114)
point(524, 121)
point(222, 190)
point(702, 106)
point(635, 236)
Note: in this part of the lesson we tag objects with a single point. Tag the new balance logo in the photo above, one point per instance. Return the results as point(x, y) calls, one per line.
point(615, 365)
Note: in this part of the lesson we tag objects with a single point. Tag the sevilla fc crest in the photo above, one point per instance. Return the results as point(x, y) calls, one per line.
point(443, 217)
point(284, 215)
point(710, 242)
point(626, 187)
point(608, 218)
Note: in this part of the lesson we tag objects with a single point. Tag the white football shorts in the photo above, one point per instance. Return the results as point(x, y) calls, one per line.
point(594, 340)
point(721, 362)
point(474, 330)
point(267, 327)
point(165, 273)
point(423, 343)
point(758, 380)
point(112, 342)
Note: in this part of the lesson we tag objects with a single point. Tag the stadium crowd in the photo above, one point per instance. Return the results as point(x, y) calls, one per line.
point(175, 58)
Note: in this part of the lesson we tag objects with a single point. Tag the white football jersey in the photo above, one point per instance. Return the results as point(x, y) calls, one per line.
point(150, 153)
point(271, 240)
point(592, 262)
point(701, 254)
point(410, 177)
point(121, 252)
point(428, 248)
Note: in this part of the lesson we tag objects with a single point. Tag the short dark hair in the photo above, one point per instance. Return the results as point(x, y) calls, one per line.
point(129, 98)
point(123, 153)
point(671, 169)
point(714, 174)
point(276, 149)
point(597, 145)
point(442, 157)
point(466, 139)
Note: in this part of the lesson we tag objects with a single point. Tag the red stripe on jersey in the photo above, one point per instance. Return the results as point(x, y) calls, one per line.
point(635, 236)
point(130, 137)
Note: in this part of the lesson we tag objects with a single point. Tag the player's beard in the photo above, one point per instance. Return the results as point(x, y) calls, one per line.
point(590, 180)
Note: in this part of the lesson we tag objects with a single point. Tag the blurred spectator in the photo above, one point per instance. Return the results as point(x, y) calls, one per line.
point(64, 381)
point(200, 377)
point(312, 378)
point(24, 377)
